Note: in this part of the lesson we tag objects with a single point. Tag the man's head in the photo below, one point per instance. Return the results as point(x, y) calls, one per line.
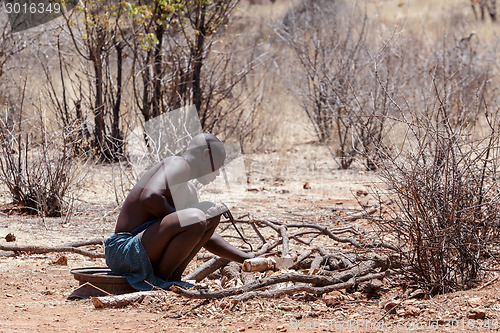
point(205, 155)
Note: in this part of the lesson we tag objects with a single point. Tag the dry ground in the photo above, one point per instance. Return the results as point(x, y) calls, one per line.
point(34, 289)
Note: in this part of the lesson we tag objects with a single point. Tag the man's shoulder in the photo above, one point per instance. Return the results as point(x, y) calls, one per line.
point(174, 161)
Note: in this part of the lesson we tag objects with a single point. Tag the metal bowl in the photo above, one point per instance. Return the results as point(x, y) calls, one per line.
point(98, 281)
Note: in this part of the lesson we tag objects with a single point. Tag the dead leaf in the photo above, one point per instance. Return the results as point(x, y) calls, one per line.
point(333, 298)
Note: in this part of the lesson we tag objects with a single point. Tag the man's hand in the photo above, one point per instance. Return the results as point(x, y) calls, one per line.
point(215, 210)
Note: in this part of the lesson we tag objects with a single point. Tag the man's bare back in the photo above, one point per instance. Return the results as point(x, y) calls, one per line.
point(134, 213)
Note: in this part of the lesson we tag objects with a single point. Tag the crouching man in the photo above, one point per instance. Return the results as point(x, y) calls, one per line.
point(162, 225)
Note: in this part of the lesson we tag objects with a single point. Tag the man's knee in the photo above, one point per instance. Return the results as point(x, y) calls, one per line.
point(213, 222)
point(194, 219)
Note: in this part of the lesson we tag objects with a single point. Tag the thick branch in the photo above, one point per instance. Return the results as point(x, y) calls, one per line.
point(207, 268)
point(47, 249)
point(96, 241)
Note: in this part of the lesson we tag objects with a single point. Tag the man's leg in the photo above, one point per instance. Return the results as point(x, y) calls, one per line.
point(212, 225)
point(169, 244)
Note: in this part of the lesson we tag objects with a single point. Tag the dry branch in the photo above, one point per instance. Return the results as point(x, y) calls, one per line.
point(361, 215)
point(363, 268)
point(303, 256)
point(205, 256)
point(48, 249)
point(331, 283)
point(284, 235)
point(262, 238)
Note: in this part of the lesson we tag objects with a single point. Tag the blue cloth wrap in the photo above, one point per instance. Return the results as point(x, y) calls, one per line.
point(126, 256)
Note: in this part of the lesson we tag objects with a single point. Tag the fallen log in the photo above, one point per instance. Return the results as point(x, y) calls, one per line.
point(206, 269)
point(118, 301)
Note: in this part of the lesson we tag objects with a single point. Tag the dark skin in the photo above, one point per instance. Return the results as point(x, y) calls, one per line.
point(173, 241)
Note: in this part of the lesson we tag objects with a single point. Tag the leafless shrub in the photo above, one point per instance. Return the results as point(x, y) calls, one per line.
point(327, 47)
point(37, 164)
point(448, 204)
point(339, 75)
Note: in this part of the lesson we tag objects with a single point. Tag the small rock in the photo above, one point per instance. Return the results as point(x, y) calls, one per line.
point(281, 328)
point(147, 300)
point(10, 237)
point(61, 260)
point(241, 329)
point(370, 287)
point(333, 298)
point(412, 311)
point(417, 293)
point(477, 313)
point(389, 305)
point(361, 193)
point(306, 186)
point(475, 302)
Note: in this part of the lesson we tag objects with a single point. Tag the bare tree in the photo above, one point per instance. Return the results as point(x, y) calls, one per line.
point(95, 35)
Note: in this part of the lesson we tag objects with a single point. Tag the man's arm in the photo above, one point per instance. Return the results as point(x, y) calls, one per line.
point(219, 246)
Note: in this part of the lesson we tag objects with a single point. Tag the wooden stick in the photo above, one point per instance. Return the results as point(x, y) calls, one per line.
point(488, 283)
point(300, 258)
point(118, 301)
point(47, 249)
point(254, 227)
point(285, 252)
point(363, 268)
point(205, 256)
point(302, 233)
point(272, 224)
point(268, 246)
point(361, 215)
